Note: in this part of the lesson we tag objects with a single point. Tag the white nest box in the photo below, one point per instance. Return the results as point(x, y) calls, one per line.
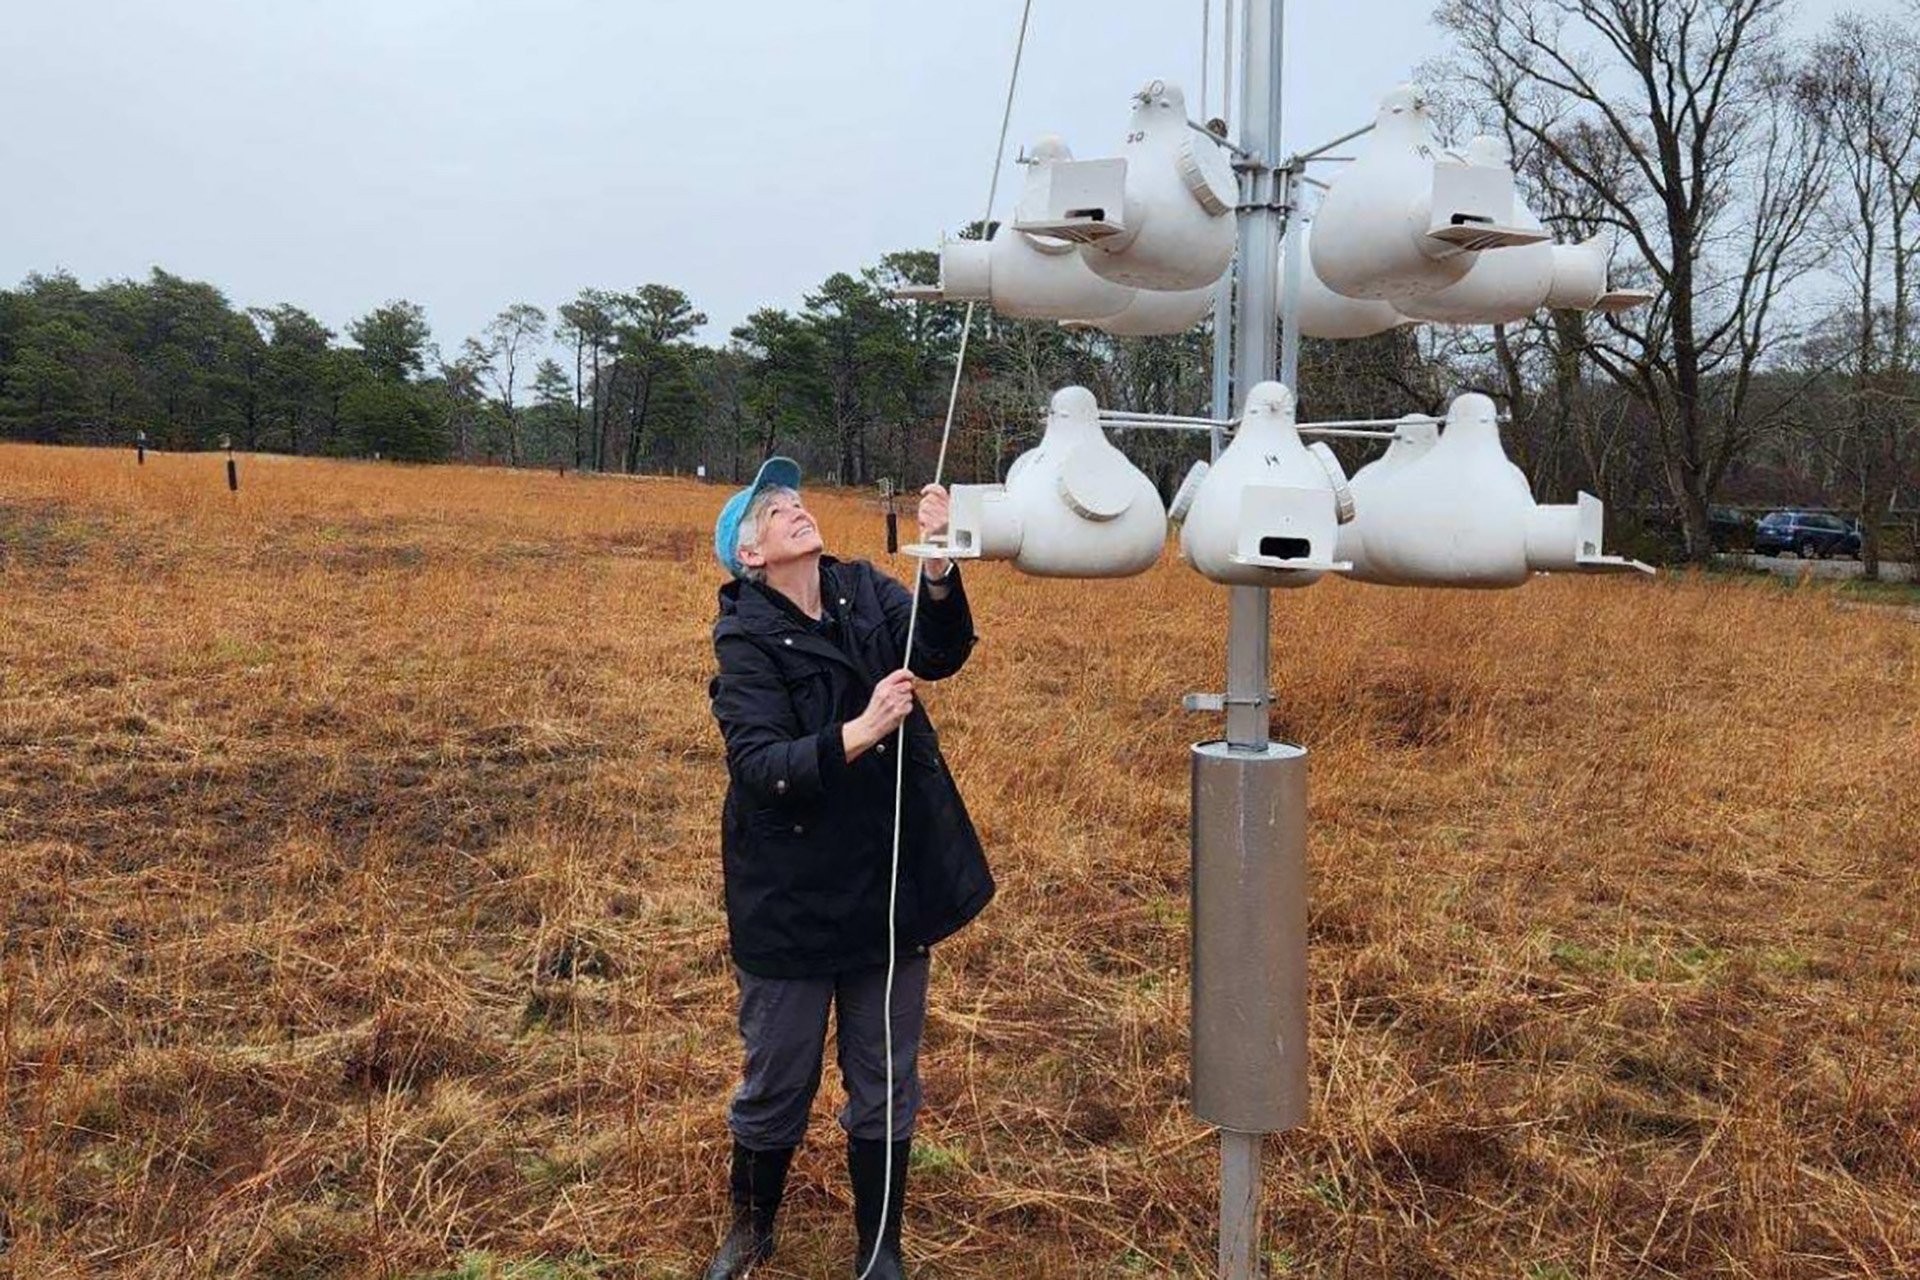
point(1457, 513)
point(1028, 276)
point(1021, 275)
point(1160, 216)
point(1498, 288)
point(1267, 512)
point(1025, 278)
point(1580, 279)
point(1072, 506)
point(1503, 287)
point(1151, 312)
point(1404, 219)
point(1413, 436)
point(1508, 286)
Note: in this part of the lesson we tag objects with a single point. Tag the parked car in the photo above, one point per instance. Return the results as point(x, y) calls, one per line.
point(1811, 535)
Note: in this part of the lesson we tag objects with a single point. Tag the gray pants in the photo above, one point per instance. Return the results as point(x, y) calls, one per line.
point(783, 1022)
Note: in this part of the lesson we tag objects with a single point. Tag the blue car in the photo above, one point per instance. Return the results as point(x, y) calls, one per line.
point(1811, 535)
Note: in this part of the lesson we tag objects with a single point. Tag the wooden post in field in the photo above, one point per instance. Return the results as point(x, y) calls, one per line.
point(893, 516)
point(233, 468)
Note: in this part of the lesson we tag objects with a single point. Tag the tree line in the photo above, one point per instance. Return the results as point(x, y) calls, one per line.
point(854, 381)
point(1768, 192)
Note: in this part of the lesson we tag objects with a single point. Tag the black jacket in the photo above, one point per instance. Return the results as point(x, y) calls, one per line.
point(806, 835)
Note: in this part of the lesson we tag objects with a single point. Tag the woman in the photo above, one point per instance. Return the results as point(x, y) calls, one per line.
point(813, 687)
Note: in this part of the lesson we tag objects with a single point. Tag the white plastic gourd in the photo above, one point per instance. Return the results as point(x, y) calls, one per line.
point(1403, 220)
point(1266, 512)
point(1029, 276)
point(1503, 287)
point(1498, 288)
point(1325, 314)
point(1579, 274)
point(1458, 513)
point(1580, 279)
point(1025, 276)
point(1413, 436)
point(1160, 216)
point(1150, 312)
point(1178, 229)
point(1072, 506)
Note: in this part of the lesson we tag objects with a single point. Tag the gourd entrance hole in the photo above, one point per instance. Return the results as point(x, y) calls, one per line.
point(1277, 547)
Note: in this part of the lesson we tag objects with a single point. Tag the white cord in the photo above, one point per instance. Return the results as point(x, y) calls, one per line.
point(913, 622)
point(1227, 59)
point(1206, 52)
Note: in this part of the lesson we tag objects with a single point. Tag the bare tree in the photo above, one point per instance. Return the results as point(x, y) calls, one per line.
point(511, 337)
point(589, 323)
point(1860, 86)
point(1671, 116)
point(462, 379)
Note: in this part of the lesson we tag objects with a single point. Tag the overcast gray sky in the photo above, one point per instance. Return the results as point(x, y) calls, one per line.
point(467, 154)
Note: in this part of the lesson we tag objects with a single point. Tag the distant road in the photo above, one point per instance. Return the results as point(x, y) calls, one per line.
point(1793, 567)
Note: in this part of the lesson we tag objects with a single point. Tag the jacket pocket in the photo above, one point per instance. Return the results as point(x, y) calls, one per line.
point(800, 845)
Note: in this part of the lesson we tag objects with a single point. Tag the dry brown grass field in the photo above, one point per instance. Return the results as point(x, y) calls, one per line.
point(360, 886)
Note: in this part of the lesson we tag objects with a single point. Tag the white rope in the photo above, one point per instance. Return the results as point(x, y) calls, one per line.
point(1206, 52)
point(1227, 107)
point(913, 622)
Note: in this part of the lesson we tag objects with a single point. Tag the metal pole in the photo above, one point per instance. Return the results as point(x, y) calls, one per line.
point(1248, 608)
point(1290, 284)
point(1239, 1205)
point(1116, 417)
point(1222, 364)
point(1258, 316)
point(1223, 299)
point(1349, 435)
point(1320, 152)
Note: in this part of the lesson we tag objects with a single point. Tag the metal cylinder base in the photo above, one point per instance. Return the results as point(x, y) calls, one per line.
point(1249, 1017)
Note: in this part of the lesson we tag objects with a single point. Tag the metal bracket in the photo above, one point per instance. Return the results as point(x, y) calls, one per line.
point(1115, 419)
point(1220, 701)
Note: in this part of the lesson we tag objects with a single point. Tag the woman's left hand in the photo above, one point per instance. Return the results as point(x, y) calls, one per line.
point(932, 516)
point(932, 519)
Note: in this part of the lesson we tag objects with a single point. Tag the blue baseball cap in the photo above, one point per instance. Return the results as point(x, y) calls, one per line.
point(775, 473)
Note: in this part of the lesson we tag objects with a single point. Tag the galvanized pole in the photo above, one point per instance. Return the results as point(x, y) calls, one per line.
point(1290, 185)
point(1257, 317)
point(1249, 795)
point(1222, 366)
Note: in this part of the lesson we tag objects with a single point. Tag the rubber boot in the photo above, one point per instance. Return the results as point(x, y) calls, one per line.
point(867, 1170)
point(759, 1178)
